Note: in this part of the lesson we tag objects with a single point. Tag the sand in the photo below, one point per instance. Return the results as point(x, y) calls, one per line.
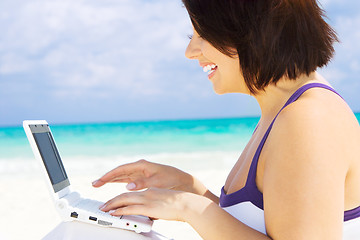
point(27, 211)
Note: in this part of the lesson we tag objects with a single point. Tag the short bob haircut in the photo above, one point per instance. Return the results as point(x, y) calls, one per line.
point(272, 38)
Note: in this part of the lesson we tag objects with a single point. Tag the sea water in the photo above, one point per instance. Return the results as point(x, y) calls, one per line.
point(129, 138)
point(199, 143)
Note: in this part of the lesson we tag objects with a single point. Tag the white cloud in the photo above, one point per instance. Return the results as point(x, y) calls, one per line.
point(349, 33)
point(129, 53)
point(344, 71)
point(12, 63)
point(87, 44)
point(333, 75)
point(355, 66)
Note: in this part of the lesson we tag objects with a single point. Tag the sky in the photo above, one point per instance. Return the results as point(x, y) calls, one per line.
point(82, 61)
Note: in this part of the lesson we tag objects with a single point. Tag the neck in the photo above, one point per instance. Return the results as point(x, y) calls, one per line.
point(273, 98)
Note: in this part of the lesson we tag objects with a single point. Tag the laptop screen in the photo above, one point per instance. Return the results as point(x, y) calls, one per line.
point(50, 157)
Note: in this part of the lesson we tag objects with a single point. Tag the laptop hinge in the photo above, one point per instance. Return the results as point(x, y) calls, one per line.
point(71, 197)
point(63, 192)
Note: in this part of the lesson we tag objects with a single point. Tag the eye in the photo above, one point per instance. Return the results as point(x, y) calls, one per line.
point(191, 36)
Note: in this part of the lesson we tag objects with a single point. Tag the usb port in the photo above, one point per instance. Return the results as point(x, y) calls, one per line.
point(74, 215)
point(92, 218)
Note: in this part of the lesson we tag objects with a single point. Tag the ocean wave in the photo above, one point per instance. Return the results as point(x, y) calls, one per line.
point(190, 161)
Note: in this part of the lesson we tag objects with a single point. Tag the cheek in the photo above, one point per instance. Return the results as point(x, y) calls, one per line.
point(209, 51)
point(232, 68)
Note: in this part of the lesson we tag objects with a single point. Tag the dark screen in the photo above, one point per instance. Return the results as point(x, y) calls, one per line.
point(51, 157)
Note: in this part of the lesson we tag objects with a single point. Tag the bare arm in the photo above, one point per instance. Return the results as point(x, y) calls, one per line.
point(143, 174)
point(213, 223)
point(205, 216)
point(304, 176)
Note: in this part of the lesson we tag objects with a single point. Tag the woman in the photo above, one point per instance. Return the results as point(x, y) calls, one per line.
point(299, 175)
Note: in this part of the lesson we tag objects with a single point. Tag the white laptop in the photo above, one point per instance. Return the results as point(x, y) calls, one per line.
point(70, 205)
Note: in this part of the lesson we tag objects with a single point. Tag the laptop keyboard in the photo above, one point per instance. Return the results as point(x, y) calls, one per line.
point(92, 206)
point(88, 210)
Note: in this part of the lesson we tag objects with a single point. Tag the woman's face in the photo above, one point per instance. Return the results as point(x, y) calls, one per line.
point(223, 71)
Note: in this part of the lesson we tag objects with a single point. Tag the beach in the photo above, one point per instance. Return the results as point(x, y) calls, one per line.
point(27, 209)
point(205, 148)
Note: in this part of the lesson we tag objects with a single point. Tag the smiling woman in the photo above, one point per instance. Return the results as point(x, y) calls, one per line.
point(218, 66)
point(295, 179)
point(280, 42)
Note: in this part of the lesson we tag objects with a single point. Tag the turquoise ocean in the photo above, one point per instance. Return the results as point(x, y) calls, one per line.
point(129, 138)
point(174, 140)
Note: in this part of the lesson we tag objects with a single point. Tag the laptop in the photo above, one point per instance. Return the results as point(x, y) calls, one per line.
point(69, 204)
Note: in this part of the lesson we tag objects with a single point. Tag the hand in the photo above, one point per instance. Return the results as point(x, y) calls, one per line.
point(143, 174)
point(154, 202)
point(205, 216)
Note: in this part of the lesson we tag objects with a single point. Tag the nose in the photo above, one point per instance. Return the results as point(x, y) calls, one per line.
point(193, 50)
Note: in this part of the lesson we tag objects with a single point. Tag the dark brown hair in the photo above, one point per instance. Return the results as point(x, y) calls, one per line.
point(273, 38)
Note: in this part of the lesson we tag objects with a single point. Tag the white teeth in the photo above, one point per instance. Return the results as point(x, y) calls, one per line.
point(207, 68)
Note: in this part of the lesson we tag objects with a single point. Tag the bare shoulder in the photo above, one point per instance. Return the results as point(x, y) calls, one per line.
point(321, 121)
point(312, 147)
point(320, 117)
point(323, 105)
point(321, 131)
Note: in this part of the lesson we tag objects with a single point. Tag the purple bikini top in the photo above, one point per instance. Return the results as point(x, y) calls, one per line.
point(250, 192)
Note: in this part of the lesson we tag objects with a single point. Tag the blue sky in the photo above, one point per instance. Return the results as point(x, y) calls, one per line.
point(120, 60)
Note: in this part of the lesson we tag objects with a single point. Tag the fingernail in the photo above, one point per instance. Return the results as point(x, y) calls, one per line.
point(111, 211)
point(130, 186)
point(102, 206)
point(94, 182)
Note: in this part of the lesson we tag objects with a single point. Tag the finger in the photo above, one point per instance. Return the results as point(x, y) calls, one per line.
point(134, 183)
point(124, 171)
point(138, 184)
point(131, 186)
point(98, 183)
point(123, 200)
point(131, 210)
point(122, 179)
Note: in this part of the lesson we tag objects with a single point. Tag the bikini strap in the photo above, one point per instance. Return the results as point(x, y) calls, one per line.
point(251, 179)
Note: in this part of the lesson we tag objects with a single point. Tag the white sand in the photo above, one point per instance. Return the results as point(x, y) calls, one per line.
point(27, 211)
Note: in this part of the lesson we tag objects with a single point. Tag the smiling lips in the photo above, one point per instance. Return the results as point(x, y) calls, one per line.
point(210, 69)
